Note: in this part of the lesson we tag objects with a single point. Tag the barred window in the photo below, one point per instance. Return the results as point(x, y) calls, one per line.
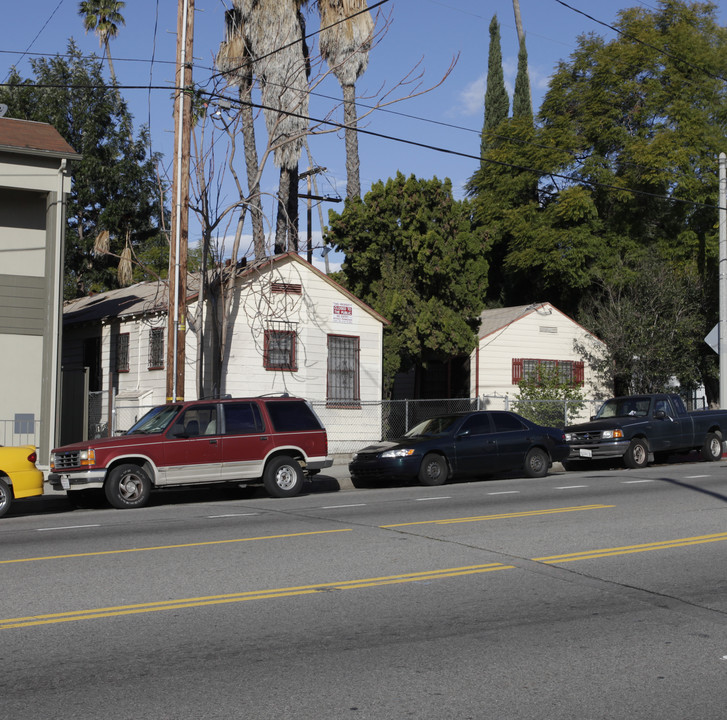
point(279, 353)
point(569, 371)
point(156, 349)
point(343, 371)
point(122, 352)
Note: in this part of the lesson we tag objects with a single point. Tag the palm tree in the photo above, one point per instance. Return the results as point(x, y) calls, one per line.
point(234, 59)
point(275, 30)
point(345, 45)
point(104, 18)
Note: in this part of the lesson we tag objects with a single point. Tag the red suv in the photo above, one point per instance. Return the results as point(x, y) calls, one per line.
point(274, 439)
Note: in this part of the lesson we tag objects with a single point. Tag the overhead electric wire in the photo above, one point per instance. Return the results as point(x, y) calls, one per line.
point(32, 42)
point(539, 172)
point(636, 39)
point(342, 126)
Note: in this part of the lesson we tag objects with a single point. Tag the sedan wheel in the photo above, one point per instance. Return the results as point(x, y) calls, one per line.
point(536, 463)
point(6, 497)
point(433, 470)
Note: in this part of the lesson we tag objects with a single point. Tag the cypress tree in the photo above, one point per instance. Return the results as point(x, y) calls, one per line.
point(522, 106)
point(497, 104)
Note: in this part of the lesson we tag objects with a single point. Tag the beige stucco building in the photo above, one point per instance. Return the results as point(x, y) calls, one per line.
point(34, 181)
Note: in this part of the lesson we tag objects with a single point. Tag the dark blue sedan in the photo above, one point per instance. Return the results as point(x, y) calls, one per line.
point(462, 445)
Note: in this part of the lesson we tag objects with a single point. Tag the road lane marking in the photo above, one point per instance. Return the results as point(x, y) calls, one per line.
point(630, 549)
point(173, 547)
point(505, 492)
point(66, 527)
point(229, 515)
point(570, 487)
point(135, 609)
point(696, 477)
point(478, 518)
point(335, 507)
point(635, 482)
point(441, 497)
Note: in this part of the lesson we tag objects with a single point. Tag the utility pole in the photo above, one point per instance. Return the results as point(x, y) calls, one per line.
point(177, 305)
point(722, 202)
point(308, 174)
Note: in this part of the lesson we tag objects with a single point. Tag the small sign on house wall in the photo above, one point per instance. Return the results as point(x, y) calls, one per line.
point(343, 313)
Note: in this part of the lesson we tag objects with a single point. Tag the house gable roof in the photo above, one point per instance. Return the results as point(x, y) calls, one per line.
point(144, 298)
point(33, 138)
point(498, 319)
point(259, 265)
point(151, 297)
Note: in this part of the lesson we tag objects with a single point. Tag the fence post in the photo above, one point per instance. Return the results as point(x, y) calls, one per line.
point(406, 416)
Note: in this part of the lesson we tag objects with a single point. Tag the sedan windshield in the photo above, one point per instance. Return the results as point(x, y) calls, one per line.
point(434, 426)
point(157, 420)
point(624, 407)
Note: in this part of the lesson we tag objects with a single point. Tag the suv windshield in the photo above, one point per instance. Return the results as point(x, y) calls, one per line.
point(157, 420)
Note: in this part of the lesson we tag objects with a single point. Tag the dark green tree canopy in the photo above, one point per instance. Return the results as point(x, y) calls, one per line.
point(621, 166)
point(412, 254)
point(115, 186)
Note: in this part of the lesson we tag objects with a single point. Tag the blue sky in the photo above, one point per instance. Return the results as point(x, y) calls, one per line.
point(416, 36)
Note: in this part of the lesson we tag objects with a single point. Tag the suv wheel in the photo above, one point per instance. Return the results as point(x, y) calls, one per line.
point(127, 486)
point(283, 477)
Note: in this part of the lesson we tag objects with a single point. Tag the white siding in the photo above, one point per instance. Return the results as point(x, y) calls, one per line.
point(544, 334)
point(311, 314)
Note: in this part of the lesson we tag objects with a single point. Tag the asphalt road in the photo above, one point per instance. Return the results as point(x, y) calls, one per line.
point(581, 595)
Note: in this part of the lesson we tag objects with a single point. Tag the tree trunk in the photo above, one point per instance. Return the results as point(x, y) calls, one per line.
point(353, 163)
point(281, 227)
point(518, 21)
point(253, 177)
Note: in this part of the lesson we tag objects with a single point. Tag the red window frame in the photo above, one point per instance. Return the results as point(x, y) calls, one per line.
point(122, 353)
point(340, 379)
point(271, 350)
point(519, 364)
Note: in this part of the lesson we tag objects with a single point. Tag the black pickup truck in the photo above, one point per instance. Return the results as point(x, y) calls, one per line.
point(645, 428)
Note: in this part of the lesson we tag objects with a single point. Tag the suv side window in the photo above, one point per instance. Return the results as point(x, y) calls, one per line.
point(292, 416)
point(194, 421)
point(242, 418)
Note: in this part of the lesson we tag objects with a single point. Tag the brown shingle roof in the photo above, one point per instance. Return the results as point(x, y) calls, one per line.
point(33, 137)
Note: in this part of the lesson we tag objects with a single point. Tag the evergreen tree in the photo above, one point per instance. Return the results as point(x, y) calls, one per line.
point(497, 103)
point(114, 202)
point(522, 105)
point(412, 254)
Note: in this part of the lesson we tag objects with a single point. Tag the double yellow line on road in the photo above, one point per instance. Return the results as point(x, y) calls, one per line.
point(630, 549)
point(424, 576)
point(501, 516)
point(120, 610)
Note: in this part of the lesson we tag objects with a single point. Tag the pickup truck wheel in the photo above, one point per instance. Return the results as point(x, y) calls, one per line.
point(127, 486)
point(6, 497)
point(637, 455)
point(433, 470)
point(712, 448)
point(536, 463)
point(283, 477)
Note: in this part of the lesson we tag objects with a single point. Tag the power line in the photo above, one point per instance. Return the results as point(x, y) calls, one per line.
point(629, 36)
point(339, 125)
point(32, 42)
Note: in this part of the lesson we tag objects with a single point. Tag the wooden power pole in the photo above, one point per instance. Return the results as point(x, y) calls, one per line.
point(177, 323)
